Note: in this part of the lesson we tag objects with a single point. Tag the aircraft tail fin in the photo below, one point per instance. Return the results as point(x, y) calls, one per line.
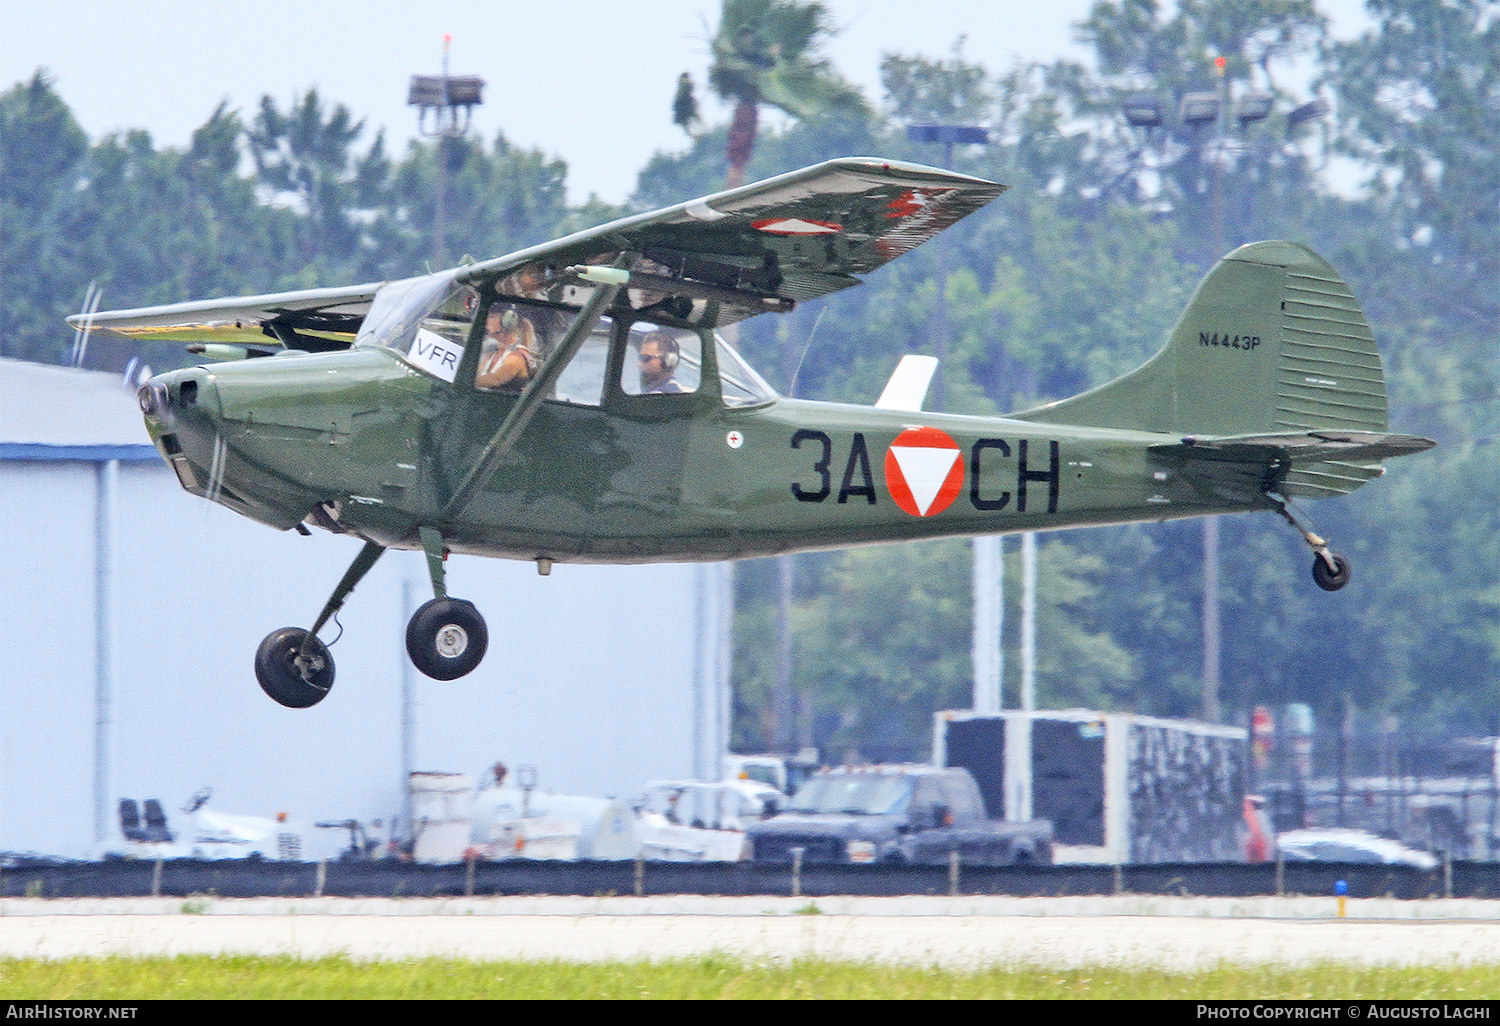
point(1273, 342)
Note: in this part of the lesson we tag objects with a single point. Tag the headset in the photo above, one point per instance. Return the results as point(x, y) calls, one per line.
point(671, 351)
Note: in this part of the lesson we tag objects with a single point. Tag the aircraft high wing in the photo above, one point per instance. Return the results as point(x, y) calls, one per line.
point(760, 248)
point(312, 320)
point(573, 402)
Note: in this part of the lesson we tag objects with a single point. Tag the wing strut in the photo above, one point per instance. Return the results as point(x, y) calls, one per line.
point(509, 431)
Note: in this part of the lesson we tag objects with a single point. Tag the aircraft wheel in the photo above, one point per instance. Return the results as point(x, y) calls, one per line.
point(446, 638)
point(294, 668)
point(1331, 579)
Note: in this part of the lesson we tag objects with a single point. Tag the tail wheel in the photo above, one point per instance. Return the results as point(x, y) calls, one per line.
point(446, 638)
point(294, 668)
point(1331, 578)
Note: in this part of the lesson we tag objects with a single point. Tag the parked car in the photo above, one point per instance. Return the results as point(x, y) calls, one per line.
point(1338, 844)
point(894, 814)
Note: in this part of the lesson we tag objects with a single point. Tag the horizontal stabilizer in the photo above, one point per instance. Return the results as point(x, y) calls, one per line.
point(1312, 447)
point(1315, 464)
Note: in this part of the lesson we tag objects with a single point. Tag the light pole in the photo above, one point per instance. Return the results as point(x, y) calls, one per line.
point(1197, 111)
point(947, 136)
point(447, 102)
point(988, 651)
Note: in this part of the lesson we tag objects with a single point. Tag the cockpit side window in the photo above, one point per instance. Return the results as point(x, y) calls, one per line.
point(582, 380)
point(517, 337)
point(661, 361)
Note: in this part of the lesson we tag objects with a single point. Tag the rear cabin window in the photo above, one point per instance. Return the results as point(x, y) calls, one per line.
point(738, 382)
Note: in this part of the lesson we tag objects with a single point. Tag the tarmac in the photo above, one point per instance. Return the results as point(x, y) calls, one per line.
point(957, 932)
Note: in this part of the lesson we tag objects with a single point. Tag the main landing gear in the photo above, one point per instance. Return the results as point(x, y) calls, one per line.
point(446, 638)
point(1330, 570)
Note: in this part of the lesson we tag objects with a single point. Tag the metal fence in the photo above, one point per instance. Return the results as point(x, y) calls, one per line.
point(39, 878)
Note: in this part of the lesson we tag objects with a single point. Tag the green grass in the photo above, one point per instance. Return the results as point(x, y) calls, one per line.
point(204, 976)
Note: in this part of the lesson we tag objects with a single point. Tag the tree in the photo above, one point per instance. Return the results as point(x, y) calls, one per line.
point(498, 200)
point(918, 89)
point(41, 149)
point(1224, 183)
point(306, 156)
point(685, 105)
point(766, 51)
point(1421, 99)
point(881, 642)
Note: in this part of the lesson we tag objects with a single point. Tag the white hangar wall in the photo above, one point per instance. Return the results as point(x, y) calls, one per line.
point(595, 675)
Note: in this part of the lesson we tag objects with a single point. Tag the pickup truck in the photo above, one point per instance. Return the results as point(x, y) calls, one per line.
point(895, 815)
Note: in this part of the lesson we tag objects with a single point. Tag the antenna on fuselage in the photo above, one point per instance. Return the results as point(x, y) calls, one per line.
point(791, 386)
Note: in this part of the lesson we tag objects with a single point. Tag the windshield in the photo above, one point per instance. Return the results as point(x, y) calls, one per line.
point(427, 319)
point(873, 795)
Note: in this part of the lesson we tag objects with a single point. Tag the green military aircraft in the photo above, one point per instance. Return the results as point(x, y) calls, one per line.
point(573, 403)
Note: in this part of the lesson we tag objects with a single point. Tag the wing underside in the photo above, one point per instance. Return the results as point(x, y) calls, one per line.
point(758, 249)
point(310, 319)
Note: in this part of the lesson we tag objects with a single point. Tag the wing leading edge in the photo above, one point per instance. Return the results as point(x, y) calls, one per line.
point(311, 319)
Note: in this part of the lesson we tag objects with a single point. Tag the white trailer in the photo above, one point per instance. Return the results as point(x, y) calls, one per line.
point(1117, 787)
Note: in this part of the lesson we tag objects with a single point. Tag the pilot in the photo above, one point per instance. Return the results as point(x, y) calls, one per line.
point(659, 356)
point(509, 358)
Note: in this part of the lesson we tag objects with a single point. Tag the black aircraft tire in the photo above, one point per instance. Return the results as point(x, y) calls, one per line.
point(1331, 580)
point(446, 638)
point(281, 678)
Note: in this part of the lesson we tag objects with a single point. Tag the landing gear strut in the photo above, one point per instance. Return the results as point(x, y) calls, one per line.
point(292, 665)
point(446, 637)
point(1330, 570)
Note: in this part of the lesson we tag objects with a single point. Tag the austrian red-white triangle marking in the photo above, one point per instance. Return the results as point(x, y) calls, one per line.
point(795, 226)
point(923, 471)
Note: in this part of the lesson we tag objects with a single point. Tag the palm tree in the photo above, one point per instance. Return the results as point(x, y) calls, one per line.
point(766, 51)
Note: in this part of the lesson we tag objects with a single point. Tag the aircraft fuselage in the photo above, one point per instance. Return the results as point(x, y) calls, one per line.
point(360, 442)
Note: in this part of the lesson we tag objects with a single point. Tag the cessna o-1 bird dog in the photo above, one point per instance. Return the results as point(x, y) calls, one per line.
point(572, 402)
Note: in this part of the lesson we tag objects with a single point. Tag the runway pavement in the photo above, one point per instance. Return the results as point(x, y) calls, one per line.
point(955, 932)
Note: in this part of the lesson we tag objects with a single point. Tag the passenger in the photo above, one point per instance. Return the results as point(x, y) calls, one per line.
point(509, 358)
point(659, 356)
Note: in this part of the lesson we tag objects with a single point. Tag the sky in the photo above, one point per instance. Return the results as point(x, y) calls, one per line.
point(590, 81)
